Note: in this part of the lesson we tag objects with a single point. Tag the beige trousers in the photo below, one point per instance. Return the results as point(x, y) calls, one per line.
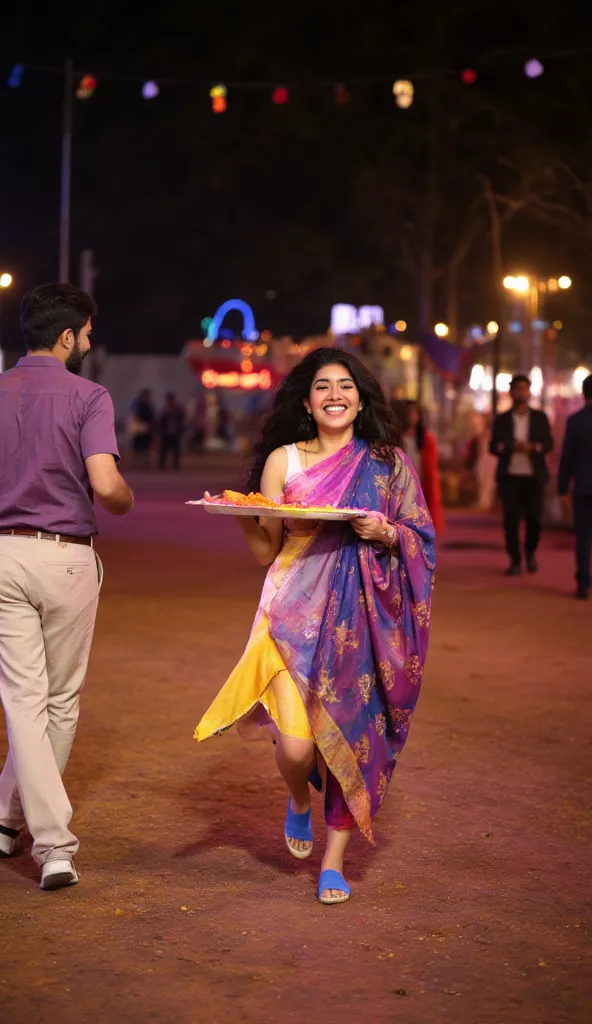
point(49, 593)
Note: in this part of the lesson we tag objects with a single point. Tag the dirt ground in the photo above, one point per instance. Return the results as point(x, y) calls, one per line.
point(475, 906)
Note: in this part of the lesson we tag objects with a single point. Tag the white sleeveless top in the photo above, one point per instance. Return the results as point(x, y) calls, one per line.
point(294, 465)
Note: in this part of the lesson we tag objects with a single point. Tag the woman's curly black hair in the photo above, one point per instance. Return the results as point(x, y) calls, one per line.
point(288, 422)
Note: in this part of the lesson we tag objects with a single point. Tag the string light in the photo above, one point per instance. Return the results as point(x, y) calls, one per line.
point(218, 96)
point(533, 68)
point(280, 96)
point(150, 90)
point(469, 77)
point(15, 77)
point(403, 93)
point(88, 84)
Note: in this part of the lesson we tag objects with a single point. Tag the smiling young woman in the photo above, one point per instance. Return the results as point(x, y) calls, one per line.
point(335, 657)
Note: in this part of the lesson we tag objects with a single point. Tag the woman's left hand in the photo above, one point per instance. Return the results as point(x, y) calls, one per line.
point(374, 527)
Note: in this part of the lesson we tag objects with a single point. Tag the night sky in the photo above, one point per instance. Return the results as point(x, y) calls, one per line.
point(295, 207)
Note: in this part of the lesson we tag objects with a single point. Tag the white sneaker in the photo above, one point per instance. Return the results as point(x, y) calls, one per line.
point(55, 874)
point(8, 840)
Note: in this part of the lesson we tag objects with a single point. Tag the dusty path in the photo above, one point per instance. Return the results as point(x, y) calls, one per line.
point(474, 907)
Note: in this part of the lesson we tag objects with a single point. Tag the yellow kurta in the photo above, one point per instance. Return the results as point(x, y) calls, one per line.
point(261, 676)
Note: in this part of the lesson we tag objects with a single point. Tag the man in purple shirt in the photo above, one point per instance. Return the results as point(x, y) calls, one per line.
point(57, 452)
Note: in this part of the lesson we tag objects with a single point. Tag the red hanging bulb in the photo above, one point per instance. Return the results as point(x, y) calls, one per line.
point(280, 96)
point(88, 84)
point(469, 76)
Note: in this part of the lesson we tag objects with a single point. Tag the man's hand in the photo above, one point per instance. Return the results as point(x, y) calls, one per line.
point(567, 503)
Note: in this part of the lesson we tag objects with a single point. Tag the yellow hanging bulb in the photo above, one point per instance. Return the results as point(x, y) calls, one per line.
point(218, 96)
point(403, 93)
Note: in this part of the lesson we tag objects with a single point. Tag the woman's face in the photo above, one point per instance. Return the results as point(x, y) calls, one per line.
point(334, 400)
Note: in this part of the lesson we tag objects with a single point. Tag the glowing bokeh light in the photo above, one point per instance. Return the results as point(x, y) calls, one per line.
point(403, 92)
point(280, 96)
point(15, 77)
point(86, 88)
point(579, 376)
point(150, 90)
point(533, 68)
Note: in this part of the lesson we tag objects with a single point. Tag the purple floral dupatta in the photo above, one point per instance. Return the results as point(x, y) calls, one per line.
point(352, 621)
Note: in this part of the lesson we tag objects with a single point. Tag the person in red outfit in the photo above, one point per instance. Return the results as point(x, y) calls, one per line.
point(422, 448)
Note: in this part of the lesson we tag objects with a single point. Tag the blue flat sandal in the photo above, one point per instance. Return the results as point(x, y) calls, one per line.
point(298, 826)
point(331, 879)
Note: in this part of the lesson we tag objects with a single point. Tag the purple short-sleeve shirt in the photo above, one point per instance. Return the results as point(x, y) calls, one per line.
point(51, 421)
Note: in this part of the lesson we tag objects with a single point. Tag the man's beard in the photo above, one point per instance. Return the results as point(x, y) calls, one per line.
point(75, 359)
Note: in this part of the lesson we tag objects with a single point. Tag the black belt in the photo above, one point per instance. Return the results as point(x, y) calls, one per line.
point(25, 531)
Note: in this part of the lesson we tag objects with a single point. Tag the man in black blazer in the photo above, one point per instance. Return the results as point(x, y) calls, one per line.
point(576, 467)
point(521, 439)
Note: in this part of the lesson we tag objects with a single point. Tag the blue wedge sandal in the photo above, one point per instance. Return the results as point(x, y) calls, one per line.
point(330, 879)
point(298, 826)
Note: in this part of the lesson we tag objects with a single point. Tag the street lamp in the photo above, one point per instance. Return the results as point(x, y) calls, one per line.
point(519, 284)
point(532, 289)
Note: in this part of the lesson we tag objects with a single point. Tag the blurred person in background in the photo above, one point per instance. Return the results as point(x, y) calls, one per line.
point(141, 427)
point(171, 429)
point(421, 447)
point(575, 473)
point(521, 440)
point(480, 463)
point(196, 417)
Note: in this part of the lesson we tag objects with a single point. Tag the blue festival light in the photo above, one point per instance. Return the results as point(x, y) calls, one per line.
point(227, 307)
point(15, 77)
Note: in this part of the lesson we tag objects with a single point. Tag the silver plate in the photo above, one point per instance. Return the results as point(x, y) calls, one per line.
point(339, 515)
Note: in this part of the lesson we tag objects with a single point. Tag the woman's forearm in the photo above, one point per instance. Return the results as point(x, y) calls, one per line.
point(258, 540)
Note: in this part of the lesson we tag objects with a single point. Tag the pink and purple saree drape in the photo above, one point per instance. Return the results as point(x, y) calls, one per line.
point(351, 621)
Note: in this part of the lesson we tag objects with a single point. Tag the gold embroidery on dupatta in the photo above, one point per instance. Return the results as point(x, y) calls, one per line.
point(382, 484)
point(380, 723)
point(362, 750)
point(413, 669)
point(345, 639)
point(421, 614)
point(382, 786)
point(342, 763)
point(366, 684)
point(387, 674)
point(400, 717)
point(326, 691)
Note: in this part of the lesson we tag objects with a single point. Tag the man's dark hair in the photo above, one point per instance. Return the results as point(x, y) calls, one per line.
point(520, 378)
point(51, 309)
point(587, 388)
